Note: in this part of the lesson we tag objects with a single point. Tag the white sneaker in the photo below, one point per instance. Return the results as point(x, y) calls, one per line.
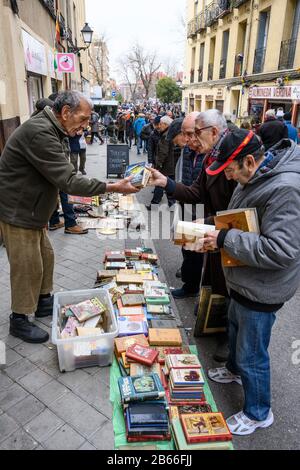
point(241, 425)
point(223, 376)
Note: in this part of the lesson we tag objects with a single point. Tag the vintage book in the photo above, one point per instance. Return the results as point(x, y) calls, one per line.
point(121, 344)
point(84, 201)
point(114, 265)
point(205, 427)
point(181, 442)
point(132, 300)
point(90, 331)
point(106, 274)
point(182, 361)
point(140, 369)
point(245, 220)
point(140, 388)
point(175, 411)
point(186, 377)
point(115, 258)
point(93, 322)
point(142, 354)
point(70, 330)
point(158, 309)
point(165, 337)
point(133, 254)
point(125, 362)
point(128, 327)
point(189, 232)
point(185, 401)
point(134, 289)
point(150, 257)
point(128, 278)
point(123, 370)
point(164, 351)
point(140, 174)
point(88, 309)
point(147, 414)
point(129, 311)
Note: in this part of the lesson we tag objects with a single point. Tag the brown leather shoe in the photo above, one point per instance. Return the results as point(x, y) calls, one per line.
point(76, 230)
point(56, 226)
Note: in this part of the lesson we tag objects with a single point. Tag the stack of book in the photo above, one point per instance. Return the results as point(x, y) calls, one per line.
point(140, 174)
point(186, 384)
point(145, 408)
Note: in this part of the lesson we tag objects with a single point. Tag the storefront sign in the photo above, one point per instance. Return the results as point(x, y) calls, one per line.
point(35, 55)
point(66, 62)
point(275, 93)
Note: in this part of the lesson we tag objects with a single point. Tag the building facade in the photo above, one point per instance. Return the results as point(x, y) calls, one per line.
point(243, 57)
point(99, 65)
point(28, 41)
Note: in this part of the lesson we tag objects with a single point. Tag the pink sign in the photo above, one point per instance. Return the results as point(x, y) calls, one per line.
point(65, 62)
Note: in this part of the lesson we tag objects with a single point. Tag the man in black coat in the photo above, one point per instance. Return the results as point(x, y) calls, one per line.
point(272, 130)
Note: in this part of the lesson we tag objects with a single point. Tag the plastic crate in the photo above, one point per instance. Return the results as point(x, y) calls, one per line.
point(72, 352)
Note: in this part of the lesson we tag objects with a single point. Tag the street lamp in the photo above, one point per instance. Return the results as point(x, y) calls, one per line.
point(87, 34)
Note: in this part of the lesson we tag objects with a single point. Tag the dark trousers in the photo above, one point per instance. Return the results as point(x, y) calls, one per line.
point(191, 270)
point(68, 211)
point(158, 195)
point(82, 160)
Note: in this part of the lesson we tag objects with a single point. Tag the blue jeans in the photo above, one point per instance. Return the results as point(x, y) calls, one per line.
point(140, 142)
point(68, 211)
point(249, 338)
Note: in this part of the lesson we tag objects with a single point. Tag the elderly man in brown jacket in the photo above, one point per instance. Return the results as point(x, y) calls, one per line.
point(34, 166)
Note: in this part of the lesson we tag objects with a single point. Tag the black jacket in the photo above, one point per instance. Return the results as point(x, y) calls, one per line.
point(165, 155)
point(272, 131)
point(153, 145)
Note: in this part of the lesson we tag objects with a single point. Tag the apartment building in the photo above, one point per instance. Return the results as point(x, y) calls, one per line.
point(27, 50)
point(243, 56)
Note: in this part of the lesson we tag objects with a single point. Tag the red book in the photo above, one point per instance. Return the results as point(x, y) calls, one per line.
point(142, 354)
point(205, 427)
point(173, 402)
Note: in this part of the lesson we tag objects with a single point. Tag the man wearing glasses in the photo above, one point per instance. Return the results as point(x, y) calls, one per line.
point(214, 192)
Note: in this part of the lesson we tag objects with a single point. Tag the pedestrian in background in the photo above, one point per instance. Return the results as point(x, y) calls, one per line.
point(272, 131)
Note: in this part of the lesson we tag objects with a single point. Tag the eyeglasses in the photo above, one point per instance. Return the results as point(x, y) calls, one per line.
point(198, 132)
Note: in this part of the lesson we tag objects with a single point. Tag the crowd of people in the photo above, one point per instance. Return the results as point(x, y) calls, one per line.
point(202, 158)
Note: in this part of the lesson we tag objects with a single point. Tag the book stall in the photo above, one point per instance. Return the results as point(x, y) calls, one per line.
point(158, 388)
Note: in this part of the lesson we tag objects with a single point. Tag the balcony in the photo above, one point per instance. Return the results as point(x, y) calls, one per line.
point(210, 72)
point(200, 22)
point(223, 64)
point(50, 6)
point(238, 3)
point(191, 29)
point(238, 65)
point(216, 10)
point(200, 73)
point(192, 76)
point(287, 54)
point(259, 60)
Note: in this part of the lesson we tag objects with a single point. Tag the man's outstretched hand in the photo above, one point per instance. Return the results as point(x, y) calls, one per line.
point(124, 186)
point(157, 178)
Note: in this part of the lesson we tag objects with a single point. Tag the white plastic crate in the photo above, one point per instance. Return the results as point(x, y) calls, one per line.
point(72, 351)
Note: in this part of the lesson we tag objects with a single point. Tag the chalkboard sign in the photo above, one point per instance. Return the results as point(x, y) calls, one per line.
point(117, 159)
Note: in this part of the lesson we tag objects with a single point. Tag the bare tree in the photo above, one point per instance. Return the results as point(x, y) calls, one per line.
point(147, 65)
point(170, 67)
point(99, 61)
point(130, 75)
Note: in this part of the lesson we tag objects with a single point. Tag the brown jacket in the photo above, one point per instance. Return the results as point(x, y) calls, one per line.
point(33, 167)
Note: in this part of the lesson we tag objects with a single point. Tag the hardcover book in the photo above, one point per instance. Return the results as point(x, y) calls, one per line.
point(142, 354)
point(130, 300)
point(128, 327)
point(140, 388)
point(181, 443)
point(139, 369)
point(176, 411)
point(189, 232)
point(182, 361)
point(165, 337)
point(140, 174)
point(205, 427)
point(163, 352)
point(84, 201)
point(121, 344)
point(70, 330)
point(245, 220)
point(90, 331)
point(144, 414)
point(186, 377)
point(114, 265)
point(158, 309)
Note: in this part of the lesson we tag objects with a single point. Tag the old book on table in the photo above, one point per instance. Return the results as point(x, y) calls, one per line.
point(121, 344)
point(115, 265)
point(84, 201)
point(245, 220)
point(106, 274)
point(182, 444)
point(140, 388)
point(165, 337)
point(132, 300)
point(140, 369)
point(186, 377)
point(158, 309)
point(142, 354)
point(205, 427)
point(189, 232)
point(128, 311)
point(182, 361)
point(164, 351)
point(188, 409)
point(129, 327)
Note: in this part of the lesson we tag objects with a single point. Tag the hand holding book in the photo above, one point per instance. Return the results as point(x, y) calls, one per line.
point(203, 245)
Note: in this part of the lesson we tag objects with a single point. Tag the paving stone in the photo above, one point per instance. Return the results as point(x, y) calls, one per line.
point(27, 349)
point(4, 330)
point(11, 357)
point(51, 367)
point(5, 381)
point(87, 422)
point(96, 393)
point(51, 392)
point(35, 380)
point(68, 406)
point(103, 439)
point(7, 426)
point(12, 396)
point(20, 440)
point(20, 368)
point(64, 439)
point(87, 446)
point(26, 410)
point(12, 341)
point(43, 425)
point(73, 379)
point(43, 355)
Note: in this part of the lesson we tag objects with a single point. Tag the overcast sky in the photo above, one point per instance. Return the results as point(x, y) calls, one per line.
point(156, 24)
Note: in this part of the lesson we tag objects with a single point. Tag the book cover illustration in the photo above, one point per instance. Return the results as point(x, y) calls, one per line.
point(140, 388)
point(140, 174)
point(121, 344)
point(140, 369)
point(199, 427)
point(88, 309)
point(84, 201)
point(183, 361)
point(128, 327)
point(186, 377)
